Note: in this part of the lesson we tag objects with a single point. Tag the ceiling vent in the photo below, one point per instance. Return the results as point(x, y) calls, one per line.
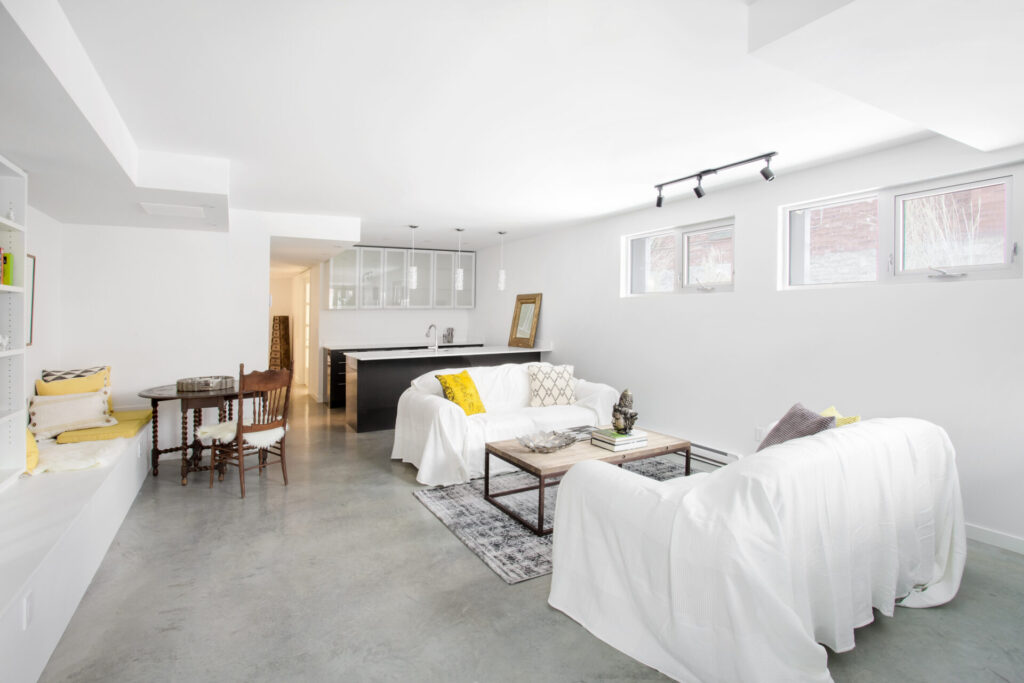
point(173, 210)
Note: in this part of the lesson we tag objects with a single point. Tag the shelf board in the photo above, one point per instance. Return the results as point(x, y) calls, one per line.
point(12, 352)
point(10, 225)
point(11, 288)
point(8, 476)
point(12, 414)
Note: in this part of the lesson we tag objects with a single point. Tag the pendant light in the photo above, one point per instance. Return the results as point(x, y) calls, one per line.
point(460, 274)
point(501, 261)
point(412, 277)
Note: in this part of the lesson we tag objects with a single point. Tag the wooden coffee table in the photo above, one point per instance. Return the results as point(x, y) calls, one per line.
point(549, 467)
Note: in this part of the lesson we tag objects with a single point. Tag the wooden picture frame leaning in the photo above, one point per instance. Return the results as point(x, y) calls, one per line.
point(524, 321)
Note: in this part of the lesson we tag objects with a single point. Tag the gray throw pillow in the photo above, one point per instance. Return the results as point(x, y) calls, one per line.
point(799, 421)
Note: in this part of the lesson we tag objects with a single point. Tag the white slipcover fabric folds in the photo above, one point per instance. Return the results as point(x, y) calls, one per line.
point(447, 446)
point(738, 575)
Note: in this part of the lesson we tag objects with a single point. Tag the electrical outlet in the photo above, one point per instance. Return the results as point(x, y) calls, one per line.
point(26, 611)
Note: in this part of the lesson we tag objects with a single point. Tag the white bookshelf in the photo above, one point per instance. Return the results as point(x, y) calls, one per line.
point(13, 195)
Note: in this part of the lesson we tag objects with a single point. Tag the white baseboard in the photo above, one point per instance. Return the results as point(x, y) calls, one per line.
point(999, 539)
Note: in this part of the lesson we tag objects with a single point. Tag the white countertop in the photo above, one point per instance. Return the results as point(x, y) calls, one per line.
point(440, 353)
point(398, 345)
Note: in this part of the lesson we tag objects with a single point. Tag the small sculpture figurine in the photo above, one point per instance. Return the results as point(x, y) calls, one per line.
point(623, 415)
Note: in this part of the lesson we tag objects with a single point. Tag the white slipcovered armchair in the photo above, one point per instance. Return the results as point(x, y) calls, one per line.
point(447, 446)
point(738, 575)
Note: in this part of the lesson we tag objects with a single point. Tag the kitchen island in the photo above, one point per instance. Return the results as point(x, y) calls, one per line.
point(375, 379)
point(334, 363)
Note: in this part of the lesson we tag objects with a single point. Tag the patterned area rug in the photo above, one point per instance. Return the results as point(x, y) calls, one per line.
point(506, 546)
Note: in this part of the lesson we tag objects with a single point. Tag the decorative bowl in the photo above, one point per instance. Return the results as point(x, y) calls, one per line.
point(546, 442)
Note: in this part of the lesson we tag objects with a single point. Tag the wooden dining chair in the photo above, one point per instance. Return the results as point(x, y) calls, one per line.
point(260, 427)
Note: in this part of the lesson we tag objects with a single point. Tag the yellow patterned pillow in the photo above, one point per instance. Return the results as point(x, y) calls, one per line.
point(840, 420)
point(461, 390)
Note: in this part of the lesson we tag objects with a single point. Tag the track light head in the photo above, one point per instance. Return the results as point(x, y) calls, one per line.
point(658, 203)
point(699, 190)
point(767, 172)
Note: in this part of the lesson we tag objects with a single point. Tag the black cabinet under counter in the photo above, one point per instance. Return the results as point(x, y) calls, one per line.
point(376, 379)
point(334, 365)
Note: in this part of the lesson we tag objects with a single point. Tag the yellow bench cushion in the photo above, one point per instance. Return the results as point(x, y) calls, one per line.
point(31, 452)
point(129, 423)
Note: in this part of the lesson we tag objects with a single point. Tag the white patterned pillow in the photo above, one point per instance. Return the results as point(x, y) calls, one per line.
point(551, 385)
point(51, 415)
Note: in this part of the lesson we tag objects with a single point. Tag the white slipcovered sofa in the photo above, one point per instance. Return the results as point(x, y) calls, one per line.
point(447, 446)
point(739, 574)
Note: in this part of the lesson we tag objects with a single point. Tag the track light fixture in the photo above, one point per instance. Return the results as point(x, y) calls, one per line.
point(766, 173)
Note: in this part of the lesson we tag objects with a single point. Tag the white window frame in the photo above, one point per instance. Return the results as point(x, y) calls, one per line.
point(883, 254)
point(890, 236)
point(929, 189)
point(681, 233)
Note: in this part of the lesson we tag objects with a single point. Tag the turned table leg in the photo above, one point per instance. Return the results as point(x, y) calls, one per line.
point(155, 455)
point(184, 444)
point(197, 444)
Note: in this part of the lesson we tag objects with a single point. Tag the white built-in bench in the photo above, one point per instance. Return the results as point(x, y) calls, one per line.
point(56, 529)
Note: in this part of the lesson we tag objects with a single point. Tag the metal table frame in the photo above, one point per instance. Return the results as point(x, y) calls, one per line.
point(543, 481)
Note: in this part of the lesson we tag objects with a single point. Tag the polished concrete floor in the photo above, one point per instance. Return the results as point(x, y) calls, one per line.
point(343, 575)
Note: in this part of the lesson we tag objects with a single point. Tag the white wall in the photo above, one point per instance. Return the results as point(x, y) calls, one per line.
point(340, 328)
point(159, 305)
point(44, 240)
point(712, 367)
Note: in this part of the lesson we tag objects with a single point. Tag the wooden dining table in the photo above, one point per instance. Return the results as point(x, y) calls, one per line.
point(196, 401)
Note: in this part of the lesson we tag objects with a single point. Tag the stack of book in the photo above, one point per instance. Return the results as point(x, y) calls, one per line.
point(611, 440)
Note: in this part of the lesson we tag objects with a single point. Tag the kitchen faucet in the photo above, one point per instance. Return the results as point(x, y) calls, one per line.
point(434, 328)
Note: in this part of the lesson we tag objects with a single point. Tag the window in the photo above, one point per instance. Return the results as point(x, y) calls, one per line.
point(954, 228)
point(693, 258)
point(833, 243)
point(902, 234)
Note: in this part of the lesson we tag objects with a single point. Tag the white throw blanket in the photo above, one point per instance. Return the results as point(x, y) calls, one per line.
point(447, 446)
point(225, 432)
point(71, 457)
point(739, 574)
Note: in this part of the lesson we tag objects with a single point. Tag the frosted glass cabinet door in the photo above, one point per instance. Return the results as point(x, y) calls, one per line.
point(422, 296)
point(394, 278)
point(344, 280)
point(444, 279)
point(371, 270)
point(466, 297)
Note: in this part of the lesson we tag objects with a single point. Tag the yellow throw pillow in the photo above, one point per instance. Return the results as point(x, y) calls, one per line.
point(461, 390)
point(31, 452)
point(840, 420)
point(77, 385)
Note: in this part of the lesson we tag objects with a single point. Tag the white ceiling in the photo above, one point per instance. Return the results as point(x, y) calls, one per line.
point(73, 175)
point(951, 65)
point(509, 114)
point(504, 114)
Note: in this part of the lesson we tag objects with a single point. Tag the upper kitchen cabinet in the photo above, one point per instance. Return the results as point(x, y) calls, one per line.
point(376, 277)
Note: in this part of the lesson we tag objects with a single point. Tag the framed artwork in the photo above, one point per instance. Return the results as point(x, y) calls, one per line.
point(524, 321)
point(30, 292)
